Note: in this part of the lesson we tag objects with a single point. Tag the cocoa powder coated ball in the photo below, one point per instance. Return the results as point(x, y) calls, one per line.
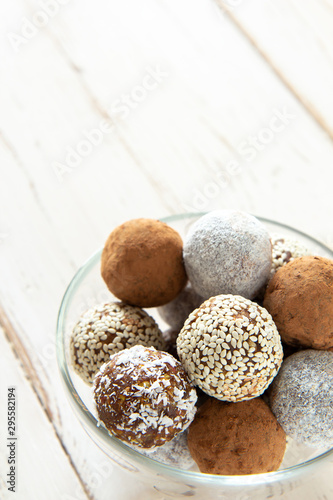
point(143, 396)
point(300, 299)
point(142, 263)
point(301, 397)
point(228, 252)
point(236, 438)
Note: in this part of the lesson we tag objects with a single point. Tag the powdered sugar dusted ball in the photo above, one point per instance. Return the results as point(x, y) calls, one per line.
point(230, 348)
point(143, 396)
point(106, 329)
point(176, 312)
point(228, 252)
point(174, 452)
point(285, 250)
point(301, 397)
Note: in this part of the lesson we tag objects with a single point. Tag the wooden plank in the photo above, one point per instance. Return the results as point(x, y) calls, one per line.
point(41, 467)
point(171, 153)
point(78, 472)
point(296, 40)
point(208, 120)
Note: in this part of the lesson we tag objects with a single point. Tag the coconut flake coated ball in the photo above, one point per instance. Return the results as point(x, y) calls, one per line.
point(301, 397)
point(230, 348)
point(236, 438)
point(228, 252)
point(143, 397)
point(142, 263)
point(300, 299)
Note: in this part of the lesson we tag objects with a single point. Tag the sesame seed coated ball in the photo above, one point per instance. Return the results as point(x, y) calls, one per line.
point(143, 396)
point(285, 250)
point(106, 329)
point(230, 348)
point(301, 397)
point(227, 251)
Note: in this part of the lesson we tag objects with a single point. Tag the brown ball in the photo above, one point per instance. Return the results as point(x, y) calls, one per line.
point(300, 300)
point(143, 396)
point(142, 263)
point(236, 438)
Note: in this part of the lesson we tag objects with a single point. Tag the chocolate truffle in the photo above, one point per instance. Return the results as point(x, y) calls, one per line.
point(300, 299)
point(285, 250)
point(142, 263)
point(230, 348)
point(301, 397)
point(177, 311)
point(228, 252)
point(236, 438)
point(143, 396)
point(106, 329)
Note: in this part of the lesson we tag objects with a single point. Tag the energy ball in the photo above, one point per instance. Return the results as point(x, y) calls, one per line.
point(300, 299)
point(228, 252)
point(174, 452)
point(285, 250)
point(236, 438)
point(177, 311)
point(142, 263)
point(106, 329)
point(230, 348)
point(301, 397)
point(143, 397)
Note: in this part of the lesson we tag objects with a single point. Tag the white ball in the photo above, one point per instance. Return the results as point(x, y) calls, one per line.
point(228, 252)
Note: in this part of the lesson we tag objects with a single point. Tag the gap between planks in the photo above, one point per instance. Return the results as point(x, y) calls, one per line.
point(31, 375)
point(284, 80)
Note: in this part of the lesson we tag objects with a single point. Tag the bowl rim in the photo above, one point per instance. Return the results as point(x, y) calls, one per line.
point(142, 460)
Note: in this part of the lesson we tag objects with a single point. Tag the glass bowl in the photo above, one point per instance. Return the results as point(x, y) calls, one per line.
point(88, 289)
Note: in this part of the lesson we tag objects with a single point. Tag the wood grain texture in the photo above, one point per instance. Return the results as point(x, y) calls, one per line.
point(296, 40)
point(42, 468)
point(208, 135)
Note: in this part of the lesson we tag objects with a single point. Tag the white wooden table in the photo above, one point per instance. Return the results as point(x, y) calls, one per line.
point(111, 110)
